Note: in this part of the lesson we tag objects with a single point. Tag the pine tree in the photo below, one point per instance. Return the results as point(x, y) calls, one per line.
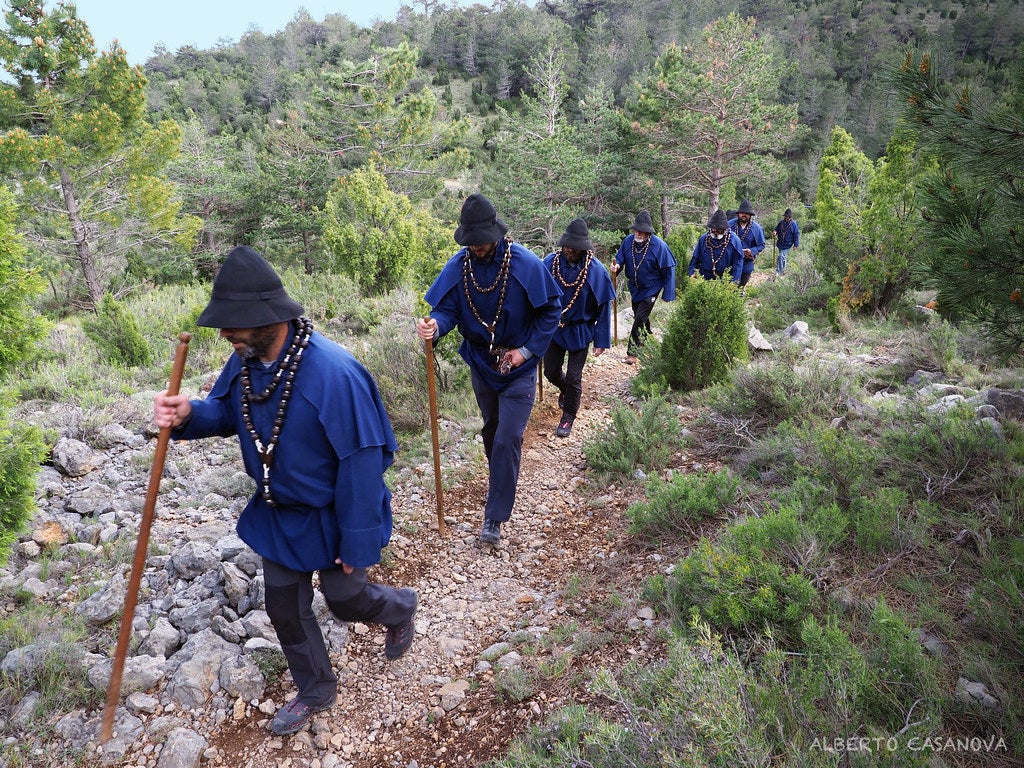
point(707, 113)
point(73, 132)
point(973, 199)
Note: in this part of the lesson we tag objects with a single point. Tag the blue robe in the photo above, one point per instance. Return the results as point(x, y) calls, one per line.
point(655, 273)
point(710, 269)
point(787, 234)
point(327, 474)
point(752, 238)
point(587, 321)
point(529, 314)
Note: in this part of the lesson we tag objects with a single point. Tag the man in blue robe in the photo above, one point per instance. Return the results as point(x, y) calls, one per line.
point(787, 235)
point(506, 306)
point(718, 252)
point(316, 438)
point(751, 236)
point(587, 294)
point(650, 269)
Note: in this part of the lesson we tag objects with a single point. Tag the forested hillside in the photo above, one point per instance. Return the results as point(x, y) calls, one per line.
point(554, 110)
point(797, 514)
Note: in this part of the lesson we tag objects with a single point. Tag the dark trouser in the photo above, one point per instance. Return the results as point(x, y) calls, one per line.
point(505, 414)
point(746, 275)
point(350, 596)
point(641, 324)
point(569, 383)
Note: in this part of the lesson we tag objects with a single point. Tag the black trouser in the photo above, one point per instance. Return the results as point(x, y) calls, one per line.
point(641, 323)
point(569, 382)
point(745, 277)
point(350, 596)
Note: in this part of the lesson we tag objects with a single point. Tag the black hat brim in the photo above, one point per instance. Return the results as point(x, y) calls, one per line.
point(491, 233)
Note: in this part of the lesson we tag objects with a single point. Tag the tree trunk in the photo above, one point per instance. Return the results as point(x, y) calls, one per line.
point(664, 215)
point(79, 234)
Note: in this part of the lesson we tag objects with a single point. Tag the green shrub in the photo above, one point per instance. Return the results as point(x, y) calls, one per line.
point(515, 684)
point(674, 505)
point(802, 293)
point(746, 592)
point(785, 388)
point(116, 333)
point(898, 673)
point(950, 457)
point(883, 521)
point(691, 710)
point(840, 460)
point(21, 453)
point(802, 535)
point(706, 335)
point(635, 440)
point(998, 597)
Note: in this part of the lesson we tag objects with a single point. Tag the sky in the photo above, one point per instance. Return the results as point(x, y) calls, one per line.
point(138, 25)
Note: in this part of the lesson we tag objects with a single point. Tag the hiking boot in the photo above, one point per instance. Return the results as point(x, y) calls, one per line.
point(630, 360)
point(564, 426)
point(294, 715)
point(561, 400)
point(491, 532)
point(399, 637)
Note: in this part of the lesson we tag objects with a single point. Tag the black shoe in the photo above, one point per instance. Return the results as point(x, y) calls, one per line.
point(294, 715)
point(564, 426)
point(399, 637)
point(491, 532)
point(561, 400)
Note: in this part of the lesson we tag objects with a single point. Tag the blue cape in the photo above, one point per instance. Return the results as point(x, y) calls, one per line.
point(327, 473)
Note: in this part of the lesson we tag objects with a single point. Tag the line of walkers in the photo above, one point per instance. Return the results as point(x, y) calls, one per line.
point(316, 438)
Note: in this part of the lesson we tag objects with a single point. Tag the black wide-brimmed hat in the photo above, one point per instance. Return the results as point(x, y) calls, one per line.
point(643, 223)
point(788, 214)
point(718, 220)
point(746, 207)
point(577, 236)
point(247, 293)
point(479, 223)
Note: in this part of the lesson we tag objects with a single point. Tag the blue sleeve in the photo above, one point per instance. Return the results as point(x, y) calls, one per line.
point(213, 416)
point(736, 270)
point(602, 332)
point(620, 255)
point(362, 506)
point(668, 282)
point(545, 322)
point(694, 260)
point(758, 244)
point(446, 313)
point(796, 234)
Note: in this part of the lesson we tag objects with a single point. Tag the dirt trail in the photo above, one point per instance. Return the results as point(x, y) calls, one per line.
point(562, 551)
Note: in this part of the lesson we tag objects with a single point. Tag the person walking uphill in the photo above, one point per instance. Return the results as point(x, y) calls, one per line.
point(506, 306)
point(587, 294)
point(787, 235)
point(650, 269)
point(751, 237)
point(316, 438)
point(718, 251)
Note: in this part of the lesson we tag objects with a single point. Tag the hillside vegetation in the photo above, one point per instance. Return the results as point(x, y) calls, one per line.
point(838, 520)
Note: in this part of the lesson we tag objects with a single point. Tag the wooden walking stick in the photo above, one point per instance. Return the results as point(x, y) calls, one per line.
point(540, 378)
point(615, 309)
point(141, 546)
point(432, 397)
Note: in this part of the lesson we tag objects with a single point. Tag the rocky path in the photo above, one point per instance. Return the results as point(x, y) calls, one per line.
point(481, 610)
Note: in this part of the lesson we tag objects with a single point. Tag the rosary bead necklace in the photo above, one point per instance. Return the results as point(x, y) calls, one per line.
point(710, 246)
point(642, 251)
point(577, 284)
point(286, 370)
point(502, 279)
